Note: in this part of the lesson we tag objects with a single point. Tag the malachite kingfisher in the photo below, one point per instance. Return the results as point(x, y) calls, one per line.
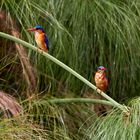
point(40, 37)
point(100, 78)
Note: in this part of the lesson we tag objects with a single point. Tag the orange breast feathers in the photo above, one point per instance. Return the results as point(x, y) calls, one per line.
point(101, 81)
point(40, 40)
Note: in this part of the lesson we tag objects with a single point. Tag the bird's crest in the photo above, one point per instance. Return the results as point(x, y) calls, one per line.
point(101, 68)
point(38, 27)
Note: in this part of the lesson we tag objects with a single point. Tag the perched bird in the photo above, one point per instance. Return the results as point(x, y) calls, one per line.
point(100, 79)
point(101, 83)
point(40, 38)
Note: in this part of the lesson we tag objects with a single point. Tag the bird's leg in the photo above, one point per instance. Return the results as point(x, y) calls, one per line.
point(39, 49)
point(98, 90)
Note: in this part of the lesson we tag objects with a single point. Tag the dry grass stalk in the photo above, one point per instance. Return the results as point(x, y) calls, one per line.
point(9, 25)
point(8, 105)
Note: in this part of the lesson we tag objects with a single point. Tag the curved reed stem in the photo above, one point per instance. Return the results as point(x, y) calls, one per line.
point(78, 100)
point(47, 55)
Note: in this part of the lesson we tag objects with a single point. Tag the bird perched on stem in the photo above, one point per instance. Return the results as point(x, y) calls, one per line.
point(40, 37)
point(100, 79)
point(101, 83)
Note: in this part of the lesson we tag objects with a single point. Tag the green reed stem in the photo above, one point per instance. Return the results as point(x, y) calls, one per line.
point(78, 100)
point(47, 55)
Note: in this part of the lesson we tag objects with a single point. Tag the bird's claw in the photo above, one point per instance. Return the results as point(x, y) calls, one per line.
point(98, 90)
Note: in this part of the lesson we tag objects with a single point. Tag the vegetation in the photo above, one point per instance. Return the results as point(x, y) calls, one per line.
point(83, 35)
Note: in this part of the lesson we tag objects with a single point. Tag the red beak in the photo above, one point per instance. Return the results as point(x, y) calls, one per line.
point(31, 30)
point(104, 69)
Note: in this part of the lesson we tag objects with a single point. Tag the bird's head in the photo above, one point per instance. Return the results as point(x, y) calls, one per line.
point(101, 69)
point(37, 28)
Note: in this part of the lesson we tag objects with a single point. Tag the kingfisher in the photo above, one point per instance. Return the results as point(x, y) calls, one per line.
point(101, 79)
point(40, 37)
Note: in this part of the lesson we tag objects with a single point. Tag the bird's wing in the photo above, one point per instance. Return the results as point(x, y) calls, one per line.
point(43, 40)
point(46, 41)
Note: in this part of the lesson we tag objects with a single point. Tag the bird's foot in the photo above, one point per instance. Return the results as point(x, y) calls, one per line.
point(99, 91)
point(40, 50)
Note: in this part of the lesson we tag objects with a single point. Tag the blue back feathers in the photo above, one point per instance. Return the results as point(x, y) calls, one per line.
point(47, 42)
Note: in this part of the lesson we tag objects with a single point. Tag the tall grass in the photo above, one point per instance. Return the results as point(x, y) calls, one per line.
point(84, 35)
point(116, 125)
